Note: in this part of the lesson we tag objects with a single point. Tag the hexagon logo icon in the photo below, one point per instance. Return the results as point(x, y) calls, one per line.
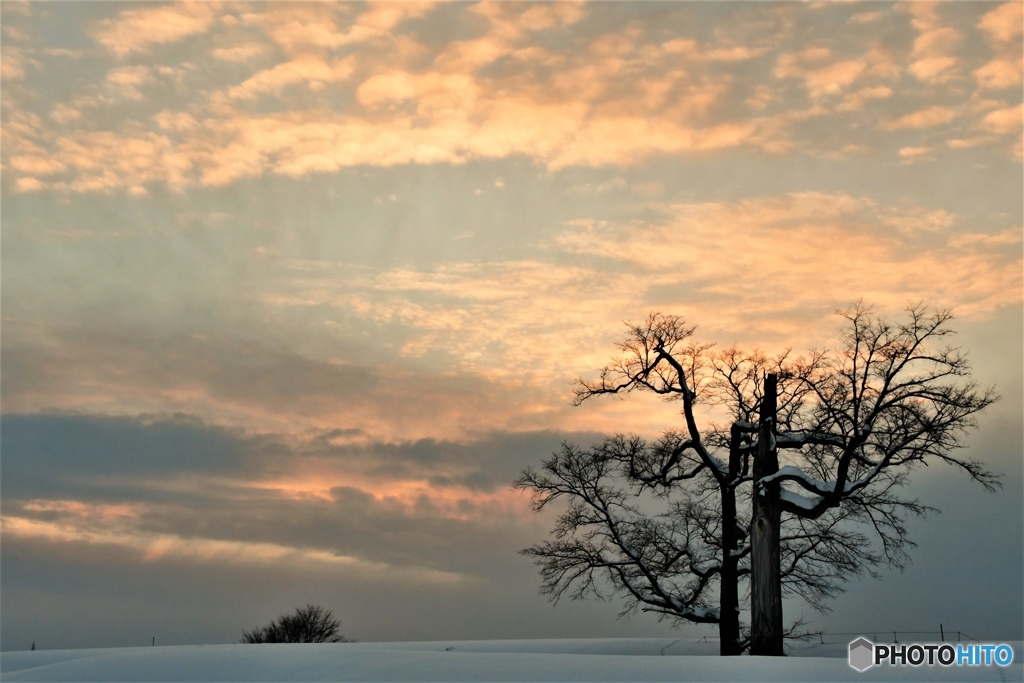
point(861, 654)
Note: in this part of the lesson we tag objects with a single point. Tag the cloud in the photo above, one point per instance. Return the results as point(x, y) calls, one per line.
point(784, 255)
point(1002, 27)
point(819, 79)
point(858, 100)
point(47, 454)
point(134, 30)
point(509, 26)
point(11, 67)
point(154, 458)
point(925, 118)
point(106, 161)
point(911, 154)
point(409, 106)
point(64, 114)
point(695, 52)
point(124, 374)
point(1003, 24)
point(933, 55)
point(125, 79)
point(761, 97)
point(524, 303)
point(153, 547)
point(864, 18)
point(559, 135)
point(37, 165)
point(326, 500)
point(313, 71)
point(18, 8)
point(360, 87)
point(999, 74)
point(1007, 120)
point(302, 28)
point(239, 53)
point(29, 184)
point(967, 143)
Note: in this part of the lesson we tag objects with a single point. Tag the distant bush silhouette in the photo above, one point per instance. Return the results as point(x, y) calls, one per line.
point(309, 624)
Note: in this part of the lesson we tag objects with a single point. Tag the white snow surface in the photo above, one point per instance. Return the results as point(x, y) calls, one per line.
point(615, 659)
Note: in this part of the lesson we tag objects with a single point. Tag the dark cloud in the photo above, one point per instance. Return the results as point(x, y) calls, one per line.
point(488, 463)
point(81, 455)
point(122, 460)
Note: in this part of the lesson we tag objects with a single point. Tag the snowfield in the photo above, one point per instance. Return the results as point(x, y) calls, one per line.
point(615, 659)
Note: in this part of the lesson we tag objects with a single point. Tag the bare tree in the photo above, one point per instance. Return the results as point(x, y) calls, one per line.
point(663, 562)
point(309, 624)
point(671, 561)
point(888, 401)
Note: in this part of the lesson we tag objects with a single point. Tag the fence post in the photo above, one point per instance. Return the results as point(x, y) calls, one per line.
point(942, 636)
point(894, 639)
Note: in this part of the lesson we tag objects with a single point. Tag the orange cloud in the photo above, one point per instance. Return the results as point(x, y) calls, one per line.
point(1003, 24)
point(1002, 27)
point(125, 79)
point(1005, 121)
point(697, 53)
point(615, 98)
point(925, 118)
point(802, 250)
point(12, 63)
point(314, 71)
point(966, 143)
point(999, 74)
point(135, 30)
point(858, 100)
point(933, 55)
point(301, 28)
point(911, 154)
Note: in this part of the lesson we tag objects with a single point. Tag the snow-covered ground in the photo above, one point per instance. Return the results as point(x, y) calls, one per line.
point(616, 659)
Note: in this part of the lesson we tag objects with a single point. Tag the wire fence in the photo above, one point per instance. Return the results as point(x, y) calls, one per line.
point(881, 636)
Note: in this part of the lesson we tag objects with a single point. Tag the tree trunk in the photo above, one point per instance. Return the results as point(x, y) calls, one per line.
point(765, 580)
point(729, 602)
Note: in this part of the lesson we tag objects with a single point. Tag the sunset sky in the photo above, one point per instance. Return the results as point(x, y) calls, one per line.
point(292, 292)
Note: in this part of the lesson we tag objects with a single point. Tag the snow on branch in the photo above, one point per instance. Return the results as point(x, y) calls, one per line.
point(798, 500)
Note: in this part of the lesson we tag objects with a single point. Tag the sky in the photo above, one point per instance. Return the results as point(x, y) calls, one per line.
point(292, 292)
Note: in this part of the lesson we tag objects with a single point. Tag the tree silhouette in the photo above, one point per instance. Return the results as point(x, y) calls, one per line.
point(665, 523)
point(309, 624)
point(893, 397)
